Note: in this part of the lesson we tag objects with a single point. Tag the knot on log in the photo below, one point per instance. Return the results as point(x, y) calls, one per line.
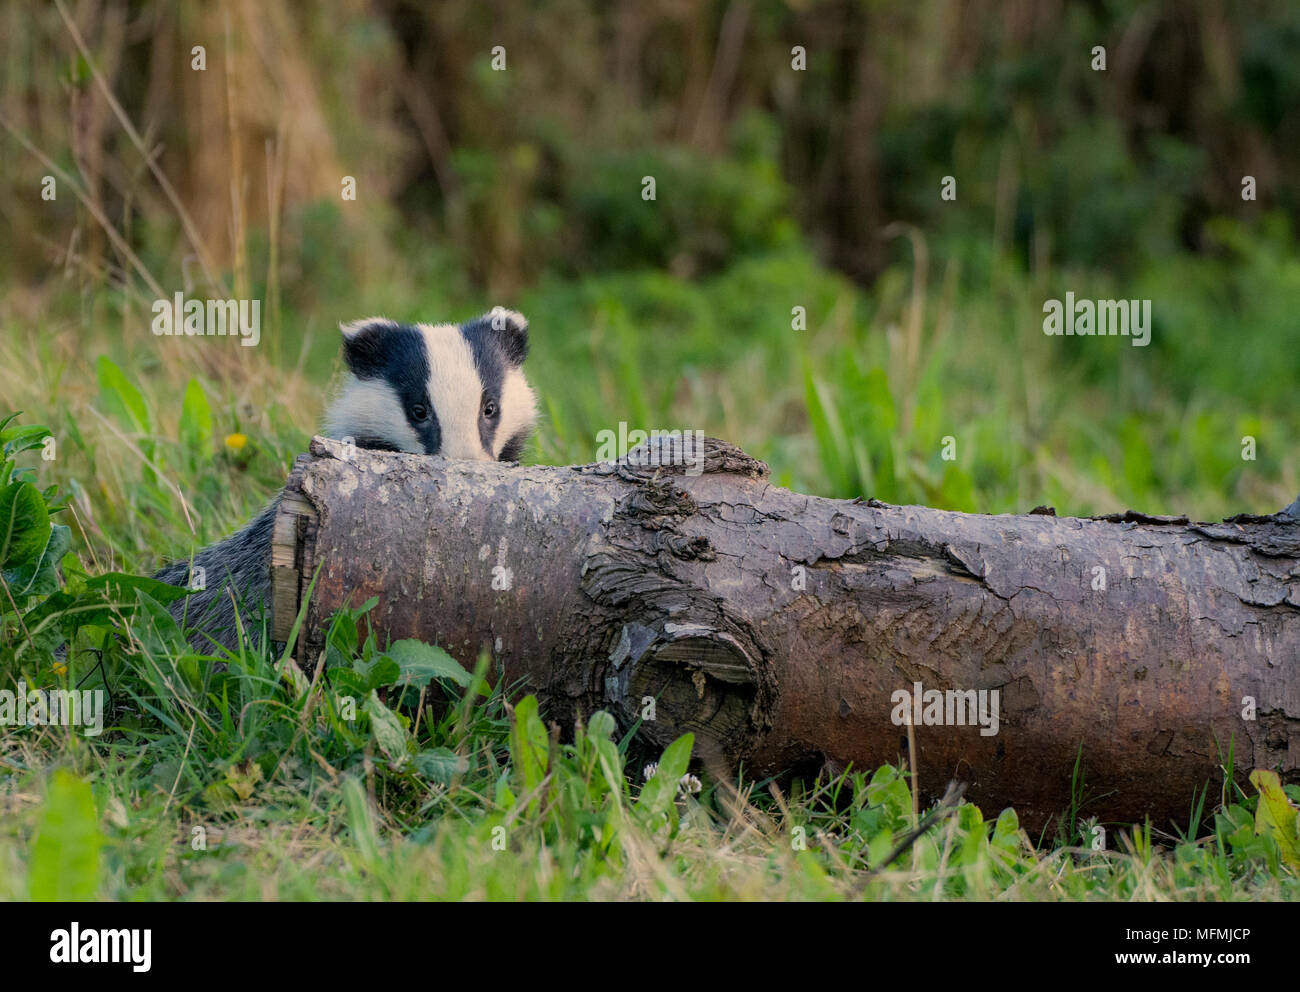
point(680, 453)
point(686, 677)
point(657, 499)
point(658, 506)
point(697, 548)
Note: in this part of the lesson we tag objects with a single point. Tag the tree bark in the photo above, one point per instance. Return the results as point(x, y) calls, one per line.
point(781, 628)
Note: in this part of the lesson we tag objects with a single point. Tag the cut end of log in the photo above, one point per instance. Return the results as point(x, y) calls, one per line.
point(293, 542)
point(687, 678)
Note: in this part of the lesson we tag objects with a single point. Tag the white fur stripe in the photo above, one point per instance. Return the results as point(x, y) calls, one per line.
point(370, 408)
point(455, 390)
point(518, 409)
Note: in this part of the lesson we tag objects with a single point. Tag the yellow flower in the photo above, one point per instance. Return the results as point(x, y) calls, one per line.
point(60, 668)
point(236, 442)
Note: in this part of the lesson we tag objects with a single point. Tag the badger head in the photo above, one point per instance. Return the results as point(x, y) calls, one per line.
point(436, 389)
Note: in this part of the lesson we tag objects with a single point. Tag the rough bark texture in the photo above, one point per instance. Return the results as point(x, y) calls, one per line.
point(778, 626)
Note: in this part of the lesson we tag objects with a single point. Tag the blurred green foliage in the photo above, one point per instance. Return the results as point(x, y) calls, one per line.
point(777, 193)
point(797, 285)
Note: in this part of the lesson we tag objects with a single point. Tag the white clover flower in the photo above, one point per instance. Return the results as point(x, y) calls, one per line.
point(687, 785)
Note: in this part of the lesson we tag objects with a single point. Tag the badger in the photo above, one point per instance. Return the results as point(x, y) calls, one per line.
point(432, 389)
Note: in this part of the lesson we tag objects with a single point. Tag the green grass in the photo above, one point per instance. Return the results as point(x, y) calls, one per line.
point(245, 784)
point(858, 403)
point(249, 783)
point(679, 313)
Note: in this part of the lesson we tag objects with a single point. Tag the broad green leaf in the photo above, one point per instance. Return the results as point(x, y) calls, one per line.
point(343, 627)
point(1005, 841)
point(879, 847)
point(120, 398)
point(157, 630)
point(387, 730)
point(676, 759)
point(361, 819)
point(1275, 816)
point(103, 601)
point(41, 577)
point(196, 418)
point(529, 746)
point(971, 822)
point(74, 575)
point(440, 764)
point(503, 795)
point(347, 683)
point(119, 585)
point(658, 793)
point(50, 494)
point(419, 663)
point(24, 525)
point(611, 766)
point(63, 608)
point(925, 854)
point(376, 672)
point(601, 726)
point(19, 439)
point(65, 857)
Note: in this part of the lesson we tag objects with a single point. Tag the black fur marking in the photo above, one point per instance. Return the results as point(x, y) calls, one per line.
point(375, 443)
point(396, 353)
point(514, 448)
point(496, 351)
point(511, 337)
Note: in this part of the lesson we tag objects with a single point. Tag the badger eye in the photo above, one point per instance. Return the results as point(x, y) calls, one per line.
point(489, 409)
point(420, 412)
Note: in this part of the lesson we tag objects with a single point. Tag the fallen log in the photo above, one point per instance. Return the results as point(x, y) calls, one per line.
point(793, 632)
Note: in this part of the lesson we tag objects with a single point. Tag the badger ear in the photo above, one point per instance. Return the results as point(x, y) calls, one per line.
point(363, 343)
point(511, 328)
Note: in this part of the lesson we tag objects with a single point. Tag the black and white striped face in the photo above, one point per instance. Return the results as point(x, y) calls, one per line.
point(436, 389)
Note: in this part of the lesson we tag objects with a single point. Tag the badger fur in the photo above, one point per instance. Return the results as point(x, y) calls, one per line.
point(434, 389)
